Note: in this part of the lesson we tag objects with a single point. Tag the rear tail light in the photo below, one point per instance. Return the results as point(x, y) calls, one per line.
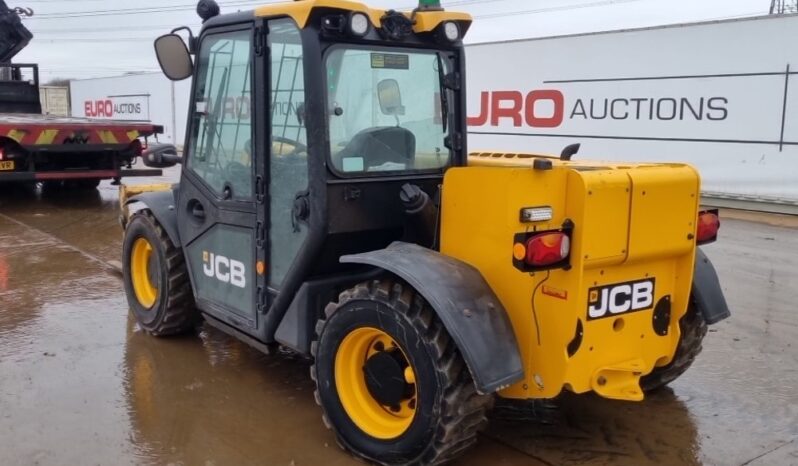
point(547, 249)
point(542, 250)
point(708, 226)
point(10, 152)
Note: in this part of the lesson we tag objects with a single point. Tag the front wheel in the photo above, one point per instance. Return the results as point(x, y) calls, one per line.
point(391, 382)
point(156, 278)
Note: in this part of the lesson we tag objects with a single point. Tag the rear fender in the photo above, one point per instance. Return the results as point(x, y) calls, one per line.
point(162, 205)
point(707, 294)
point(465, 303)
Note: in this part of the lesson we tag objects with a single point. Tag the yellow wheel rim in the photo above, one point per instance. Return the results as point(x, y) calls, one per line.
point(141, 274)
point(372, 417)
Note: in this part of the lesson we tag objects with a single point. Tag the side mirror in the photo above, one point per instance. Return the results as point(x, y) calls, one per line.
point(174, 57)
point(161, 156)
point(390, 97)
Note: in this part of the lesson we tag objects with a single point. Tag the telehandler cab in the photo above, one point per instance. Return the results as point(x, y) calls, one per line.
point(327, 203)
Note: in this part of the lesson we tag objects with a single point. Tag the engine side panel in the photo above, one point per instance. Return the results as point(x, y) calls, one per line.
point(632, 238)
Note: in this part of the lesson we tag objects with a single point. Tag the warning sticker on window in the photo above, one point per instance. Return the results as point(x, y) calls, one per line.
point(390, 61)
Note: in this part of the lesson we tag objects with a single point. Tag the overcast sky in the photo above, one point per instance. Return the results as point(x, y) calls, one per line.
point(89, 38)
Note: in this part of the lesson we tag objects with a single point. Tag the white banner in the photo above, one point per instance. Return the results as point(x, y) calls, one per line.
point(717, 95)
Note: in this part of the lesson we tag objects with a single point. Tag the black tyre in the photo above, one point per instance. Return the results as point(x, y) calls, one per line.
point(156, 278)
point(391, 382)
point(693, 329)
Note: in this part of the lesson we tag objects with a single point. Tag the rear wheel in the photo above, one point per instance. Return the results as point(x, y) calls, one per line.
point(693, 329)
point(156, 278)
point(391, 382)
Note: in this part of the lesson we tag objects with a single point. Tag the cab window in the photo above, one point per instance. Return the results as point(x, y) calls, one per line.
point(220, 149)
point(385, 110)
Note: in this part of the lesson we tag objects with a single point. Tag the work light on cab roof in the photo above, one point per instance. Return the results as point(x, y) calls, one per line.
point(359, 24)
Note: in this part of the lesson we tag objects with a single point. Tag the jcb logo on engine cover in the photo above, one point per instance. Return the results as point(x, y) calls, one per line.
point(224, 269)
point(618, 298)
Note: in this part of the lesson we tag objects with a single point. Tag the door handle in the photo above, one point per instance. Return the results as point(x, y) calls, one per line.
point(197, 211)
point(301, 209)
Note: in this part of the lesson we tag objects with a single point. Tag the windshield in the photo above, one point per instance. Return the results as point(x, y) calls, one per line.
point(386, 110)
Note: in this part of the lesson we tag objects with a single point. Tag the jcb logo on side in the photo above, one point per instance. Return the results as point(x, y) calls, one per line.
point(225, 270)
point(618, 298)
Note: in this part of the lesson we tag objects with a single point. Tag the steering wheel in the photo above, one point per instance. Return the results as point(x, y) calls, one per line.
point(298, 146)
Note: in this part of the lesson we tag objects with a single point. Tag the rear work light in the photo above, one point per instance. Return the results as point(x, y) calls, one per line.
point(536, 214)
point(541, 251)
point(708, 226)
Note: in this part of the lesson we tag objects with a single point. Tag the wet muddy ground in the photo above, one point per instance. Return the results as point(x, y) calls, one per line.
point(81, 384)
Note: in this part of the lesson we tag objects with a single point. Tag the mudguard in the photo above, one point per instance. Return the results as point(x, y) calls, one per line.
point(707, 293)
point(465, 303)
point(162, 206)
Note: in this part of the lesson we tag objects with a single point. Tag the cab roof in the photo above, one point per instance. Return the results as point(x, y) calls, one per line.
point(300, 10)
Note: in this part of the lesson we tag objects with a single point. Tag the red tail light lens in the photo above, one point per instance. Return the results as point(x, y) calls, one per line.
point(708, 226)
point(2, 153)
point(547, 249)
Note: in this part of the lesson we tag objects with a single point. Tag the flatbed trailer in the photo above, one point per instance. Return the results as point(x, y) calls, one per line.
point(59, 151)
point(36, 147)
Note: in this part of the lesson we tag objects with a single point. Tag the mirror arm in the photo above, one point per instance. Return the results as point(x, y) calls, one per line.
point(192, 41)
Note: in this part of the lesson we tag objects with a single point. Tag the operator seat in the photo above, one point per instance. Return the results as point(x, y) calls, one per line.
point(379, 146)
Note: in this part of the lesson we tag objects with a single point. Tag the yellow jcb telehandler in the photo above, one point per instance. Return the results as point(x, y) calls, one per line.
point(327, 203)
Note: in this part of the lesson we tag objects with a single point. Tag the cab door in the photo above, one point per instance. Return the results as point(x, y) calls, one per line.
point(217, 198)
point(287, 152)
